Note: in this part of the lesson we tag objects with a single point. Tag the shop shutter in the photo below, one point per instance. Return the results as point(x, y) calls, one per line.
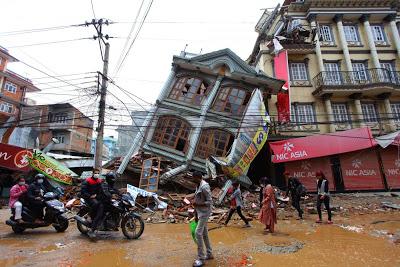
point(305, 171)
point(391, 164)
point(360, 170)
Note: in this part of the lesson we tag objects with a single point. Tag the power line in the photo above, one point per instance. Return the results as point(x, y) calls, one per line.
point(129, 93)
point(64, 75)
point(129, 36)
point(72, 79)
point(52, 76)
point(17, 32)
point(94, 14)
point(47, 43)
point(187, 22)
point(68, 85)
point(134, 38)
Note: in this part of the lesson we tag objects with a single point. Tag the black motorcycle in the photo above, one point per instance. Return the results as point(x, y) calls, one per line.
point(117, 213)
point(54, 215)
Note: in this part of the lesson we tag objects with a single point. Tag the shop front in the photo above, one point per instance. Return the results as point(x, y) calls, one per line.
point(351, 160)
point(13, 162)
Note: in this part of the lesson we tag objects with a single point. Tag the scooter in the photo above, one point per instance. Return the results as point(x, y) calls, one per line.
point(54, 215)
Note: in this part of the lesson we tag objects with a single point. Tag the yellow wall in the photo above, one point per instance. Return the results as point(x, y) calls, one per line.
point(304, 94)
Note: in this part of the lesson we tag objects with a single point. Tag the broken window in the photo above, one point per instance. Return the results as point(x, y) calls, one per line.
point(172, 132)
point(214, 142)
point(232, 100)
point(190, 90)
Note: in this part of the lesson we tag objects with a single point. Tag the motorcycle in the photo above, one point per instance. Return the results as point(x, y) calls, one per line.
point(54, 215)
point(117, 213)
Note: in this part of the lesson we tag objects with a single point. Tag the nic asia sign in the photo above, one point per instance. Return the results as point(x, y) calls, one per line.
point(290, 152)
point(321, 145)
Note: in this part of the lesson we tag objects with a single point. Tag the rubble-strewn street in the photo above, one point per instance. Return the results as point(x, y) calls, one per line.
point(364, 234)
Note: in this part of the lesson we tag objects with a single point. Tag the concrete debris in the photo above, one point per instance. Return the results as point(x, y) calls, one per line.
point(390, 205)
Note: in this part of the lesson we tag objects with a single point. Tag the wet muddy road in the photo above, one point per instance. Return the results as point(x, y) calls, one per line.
point(362, 240)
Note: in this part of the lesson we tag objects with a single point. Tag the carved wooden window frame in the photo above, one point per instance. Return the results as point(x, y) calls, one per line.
point(230, 96)
point(214, 142)
point(172, 132)
point(189, 89)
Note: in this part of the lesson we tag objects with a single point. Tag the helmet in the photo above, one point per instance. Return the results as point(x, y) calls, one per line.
point(110, 178)
point(39, 176)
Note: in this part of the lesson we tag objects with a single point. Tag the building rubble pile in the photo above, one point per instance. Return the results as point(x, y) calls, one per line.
point(178, 193)
point(180, 208)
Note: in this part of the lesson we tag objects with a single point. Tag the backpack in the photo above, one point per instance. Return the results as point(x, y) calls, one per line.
point(301, 190)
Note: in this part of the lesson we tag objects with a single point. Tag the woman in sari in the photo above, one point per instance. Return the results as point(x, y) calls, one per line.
point(267, 214)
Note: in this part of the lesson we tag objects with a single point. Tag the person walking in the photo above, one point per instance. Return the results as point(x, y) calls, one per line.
point(293, 185)
point(236, 204)
point(263, 183)
point(202, 204)
point(267, 214)
point(16, 193)
point(323, 196)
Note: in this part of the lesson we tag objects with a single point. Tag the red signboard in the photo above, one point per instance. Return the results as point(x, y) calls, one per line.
point(321, 145)
point(305, 171)
point(281, 68)
point(360, 170)
point(14, 158)
point(391, 164)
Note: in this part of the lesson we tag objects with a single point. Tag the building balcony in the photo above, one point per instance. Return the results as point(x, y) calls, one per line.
point(369, 82)
point(59, 126)
point(298, 127)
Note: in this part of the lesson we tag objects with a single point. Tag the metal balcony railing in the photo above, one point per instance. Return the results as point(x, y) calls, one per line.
point(357, 78)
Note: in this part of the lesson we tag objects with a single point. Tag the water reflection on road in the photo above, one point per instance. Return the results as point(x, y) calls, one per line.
point(301, 243)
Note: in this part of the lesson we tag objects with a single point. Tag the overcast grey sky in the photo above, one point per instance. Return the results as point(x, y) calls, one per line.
point(171, 24)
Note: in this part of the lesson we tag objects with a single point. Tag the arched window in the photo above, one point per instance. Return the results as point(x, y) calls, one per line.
point(214, 142)
point(190, 90)
point(172, 132)
point(232, 100)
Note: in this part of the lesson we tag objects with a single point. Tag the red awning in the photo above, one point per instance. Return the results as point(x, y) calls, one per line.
point(321, 145)
point(14, 158)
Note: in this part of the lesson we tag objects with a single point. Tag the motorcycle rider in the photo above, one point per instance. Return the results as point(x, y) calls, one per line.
point(91, 191)
point(108, 191)
point(108, 187)
point(35, 194)
point(16, 193)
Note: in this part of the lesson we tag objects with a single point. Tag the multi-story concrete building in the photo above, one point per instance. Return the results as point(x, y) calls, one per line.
point(127, 133)
point(13, 93)
point(61, 121)
point(109, 147)
point(344, 73)
point(344, 62)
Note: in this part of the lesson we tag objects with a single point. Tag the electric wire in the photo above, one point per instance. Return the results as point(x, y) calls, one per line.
point(134, 38)
point(129, 36)
point(51, 42)
point(28, 31)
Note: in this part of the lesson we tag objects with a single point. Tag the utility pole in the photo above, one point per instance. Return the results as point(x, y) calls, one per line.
point(102, 106)
point(103, 90)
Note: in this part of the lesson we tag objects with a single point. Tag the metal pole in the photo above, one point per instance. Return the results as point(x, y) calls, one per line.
point(100, 129)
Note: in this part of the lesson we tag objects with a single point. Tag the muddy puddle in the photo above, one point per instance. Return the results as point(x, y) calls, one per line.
point(11, 261)
point(301, 243)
